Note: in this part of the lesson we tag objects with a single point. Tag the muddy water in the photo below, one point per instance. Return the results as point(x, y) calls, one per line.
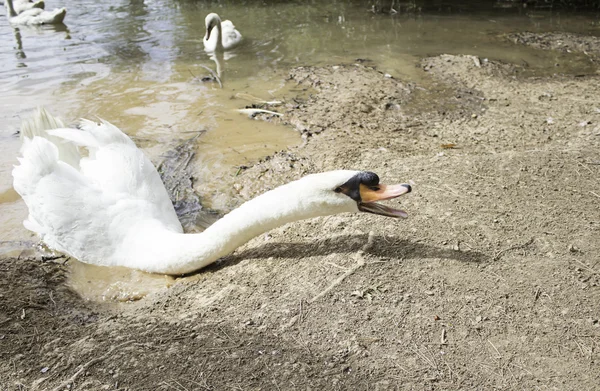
point(138, 64)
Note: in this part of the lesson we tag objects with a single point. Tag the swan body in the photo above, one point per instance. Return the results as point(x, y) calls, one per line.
point(110, 208)
point(227, 36)
point(24, 5)
point(34, 16)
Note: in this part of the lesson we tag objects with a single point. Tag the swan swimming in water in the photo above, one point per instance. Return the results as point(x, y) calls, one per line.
point(227, 36)
point(111, 207)
point(35, 15)
point(23, 5)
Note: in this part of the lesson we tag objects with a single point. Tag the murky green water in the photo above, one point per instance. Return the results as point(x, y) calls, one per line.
point(132, 63)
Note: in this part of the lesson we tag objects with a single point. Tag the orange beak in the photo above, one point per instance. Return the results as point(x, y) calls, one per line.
point(370, 194)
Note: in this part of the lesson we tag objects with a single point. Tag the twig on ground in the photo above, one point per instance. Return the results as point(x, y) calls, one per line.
point(593, 271)
point(251, 112)
point(336, 265)
point(499, 355)
point(204, 386)
point(425, 358)
point(85, 366)
point(500, 253)
point(360, 262)
point(52, 299)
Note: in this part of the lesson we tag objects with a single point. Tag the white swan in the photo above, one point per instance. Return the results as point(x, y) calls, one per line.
point(34, 15)
point(227, 36)
point(23, 5)
point(111, 208)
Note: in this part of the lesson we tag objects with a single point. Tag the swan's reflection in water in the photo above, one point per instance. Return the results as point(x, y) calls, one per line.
point(19, 52)
point(34, 30)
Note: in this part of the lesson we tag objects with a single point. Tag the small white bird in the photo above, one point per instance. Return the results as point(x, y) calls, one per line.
point(227, 36)
point(111, 208)
point(34, 16)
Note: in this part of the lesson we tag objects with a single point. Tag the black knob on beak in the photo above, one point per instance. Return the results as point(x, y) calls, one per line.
point(408, 187)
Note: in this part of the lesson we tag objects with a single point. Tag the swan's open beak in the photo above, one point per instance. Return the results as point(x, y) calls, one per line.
point(370, 194)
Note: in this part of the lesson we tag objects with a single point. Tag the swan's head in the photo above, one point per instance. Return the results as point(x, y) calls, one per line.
point(211, 21)
point(349, 191)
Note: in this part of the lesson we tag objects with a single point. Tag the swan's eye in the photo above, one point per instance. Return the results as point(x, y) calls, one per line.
point(338, 190)
point(374, 188)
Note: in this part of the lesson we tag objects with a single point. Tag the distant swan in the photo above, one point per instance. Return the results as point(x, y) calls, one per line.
point(35, 15)
point(227, 36)
point(110, 208)
point(23, 5)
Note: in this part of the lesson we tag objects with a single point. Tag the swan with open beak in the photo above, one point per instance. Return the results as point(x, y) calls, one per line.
point(365, 189)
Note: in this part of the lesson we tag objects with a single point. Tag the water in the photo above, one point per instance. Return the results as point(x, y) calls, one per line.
point(133, 63)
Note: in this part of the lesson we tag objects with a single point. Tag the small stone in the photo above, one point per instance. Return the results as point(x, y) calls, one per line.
point(478, 318)
point(365, 108)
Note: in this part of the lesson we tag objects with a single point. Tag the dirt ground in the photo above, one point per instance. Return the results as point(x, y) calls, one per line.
point(493, 282)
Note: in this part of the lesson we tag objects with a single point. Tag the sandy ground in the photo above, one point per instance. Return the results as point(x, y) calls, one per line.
point(492, 283)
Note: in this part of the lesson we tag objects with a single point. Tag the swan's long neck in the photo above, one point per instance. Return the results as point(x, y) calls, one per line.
point(11, 9)
point(161, 251)
point(219, 36)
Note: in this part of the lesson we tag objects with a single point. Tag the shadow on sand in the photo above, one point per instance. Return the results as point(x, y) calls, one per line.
point(385, 247)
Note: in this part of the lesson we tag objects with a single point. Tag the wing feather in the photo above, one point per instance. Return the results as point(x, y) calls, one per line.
point(86, 209)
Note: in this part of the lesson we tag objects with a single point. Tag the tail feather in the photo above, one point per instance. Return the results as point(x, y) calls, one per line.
point(37, 124)
point(93, 135)
point(40, 157)
point(40, 125)
point(105, 133)
point(59, 16)
point(75, 136)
